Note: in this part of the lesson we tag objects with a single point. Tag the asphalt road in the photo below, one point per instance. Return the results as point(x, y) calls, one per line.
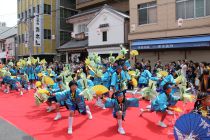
point(10, 132)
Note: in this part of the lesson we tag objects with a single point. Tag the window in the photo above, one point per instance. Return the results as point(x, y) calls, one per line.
point(64, 37)
point(26, 15)
point(37, 9)
point(47, 9)
point(192, 8)
point(23, 38)
point(29, 12)
point(47, 34)
point(104, 36)
point(147, 13)
point(82, 28)
point(207, 7)
point(34, 10)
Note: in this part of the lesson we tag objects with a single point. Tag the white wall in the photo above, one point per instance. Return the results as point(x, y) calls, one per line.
point(115, 34)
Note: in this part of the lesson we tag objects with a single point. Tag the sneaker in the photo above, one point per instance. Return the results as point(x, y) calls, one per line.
point(162, 124)
point(141, 112)
point(121, 131)
point(169, 112)
point(50, 109)
point(90, 117)
point(70, 131)
point(148, 107)
point(57, 117)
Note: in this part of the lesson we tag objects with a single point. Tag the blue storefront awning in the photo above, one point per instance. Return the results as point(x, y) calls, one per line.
point(184, 42)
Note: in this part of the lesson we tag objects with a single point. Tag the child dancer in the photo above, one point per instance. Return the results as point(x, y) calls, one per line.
point(74, 102)
point(120, 104)
point(162, 102)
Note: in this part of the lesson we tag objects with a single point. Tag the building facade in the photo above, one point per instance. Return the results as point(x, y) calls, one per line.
point(107, 32)
point(8, 40)
point(87, 10)
point(155, 32)
point(42, 27)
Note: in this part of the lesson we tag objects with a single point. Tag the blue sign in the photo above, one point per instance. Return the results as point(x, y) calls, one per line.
point(170, 46)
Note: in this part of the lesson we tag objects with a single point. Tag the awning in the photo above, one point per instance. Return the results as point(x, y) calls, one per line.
point(104, 50)
point(181, 42)
point(74, 45)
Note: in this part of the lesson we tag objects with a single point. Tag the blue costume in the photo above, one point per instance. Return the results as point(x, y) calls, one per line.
point(38, 69)
point(113, 103)
point(163, 101)
point(117, 80)
point(13, 71)
point(145, 77)
point(106, 79)
point(23, 82)
point(73, 100)
point(30, 72)
point(167, 79)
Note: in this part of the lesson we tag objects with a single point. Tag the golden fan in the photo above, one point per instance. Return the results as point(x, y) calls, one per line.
point(100, 89)
point(178, 79)
point(38, 84)
point(132, 73)
point(176, 109)
point(43, 91)
point(134, 52)
point(48, 80)
point(87, 61)
point(134, 82)
point(39, 74)
point(163, 73)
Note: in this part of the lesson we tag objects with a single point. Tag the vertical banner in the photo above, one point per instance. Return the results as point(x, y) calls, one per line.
point(37, 30)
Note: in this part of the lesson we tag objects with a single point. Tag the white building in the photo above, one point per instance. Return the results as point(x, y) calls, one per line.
point(7, 43)
point(107, 31)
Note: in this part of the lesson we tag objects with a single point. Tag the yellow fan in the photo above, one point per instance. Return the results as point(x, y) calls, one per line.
point(87, 61)
point(178, 79)
point(119, 57)
point(134, 82)
point(43, 61)
point(100, 89)
point(39, 74)
point(38, 84)
point(43, 91)
point(176, 109)
point(134, 53)
point(48, 80)
point(132, 73)
point(163, 73)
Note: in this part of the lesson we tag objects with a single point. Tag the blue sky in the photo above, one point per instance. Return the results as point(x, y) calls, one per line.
point(8, 12)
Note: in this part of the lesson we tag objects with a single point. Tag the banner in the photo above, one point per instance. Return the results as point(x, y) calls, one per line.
point(37, 30)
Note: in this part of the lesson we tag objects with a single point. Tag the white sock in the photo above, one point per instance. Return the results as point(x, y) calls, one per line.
point(70, 122)
point(88, 112)
point(119, 123)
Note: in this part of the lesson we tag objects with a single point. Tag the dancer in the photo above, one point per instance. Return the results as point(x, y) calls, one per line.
point(74, 102)
point(120, 104)
point(162, 103)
